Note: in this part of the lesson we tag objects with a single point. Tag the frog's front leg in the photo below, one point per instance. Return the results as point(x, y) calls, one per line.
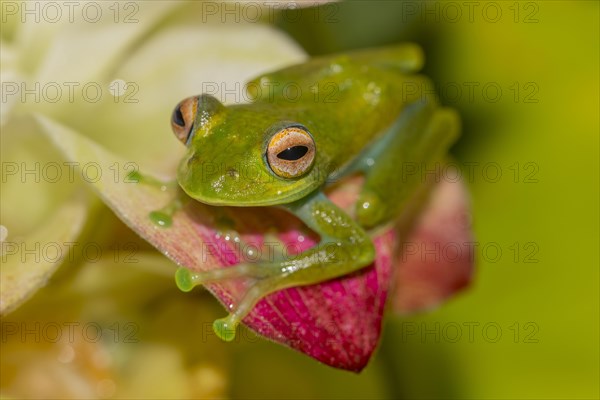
point(344, 247)
point(396, 166)
point(162, 217)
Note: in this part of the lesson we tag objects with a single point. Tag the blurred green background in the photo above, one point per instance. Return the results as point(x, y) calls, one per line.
point(524, 77)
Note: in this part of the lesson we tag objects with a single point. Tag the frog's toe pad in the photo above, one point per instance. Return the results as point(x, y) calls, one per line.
point(160, 218)
point(225, 329)
point(369, 209)
point(184, 279)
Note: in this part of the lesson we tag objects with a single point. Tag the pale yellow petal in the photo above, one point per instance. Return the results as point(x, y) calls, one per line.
point(28, 262)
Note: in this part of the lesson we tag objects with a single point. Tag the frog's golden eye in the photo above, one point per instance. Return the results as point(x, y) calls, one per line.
point(291, 152)
point(183, 117)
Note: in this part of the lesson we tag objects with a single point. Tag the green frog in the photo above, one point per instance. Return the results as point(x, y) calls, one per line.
point(308, 126)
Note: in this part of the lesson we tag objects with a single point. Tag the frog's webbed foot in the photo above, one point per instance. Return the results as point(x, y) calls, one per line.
point(164, 216)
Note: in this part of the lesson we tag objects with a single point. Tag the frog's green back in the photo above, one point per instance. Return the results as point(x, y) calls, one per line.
point(346, 101)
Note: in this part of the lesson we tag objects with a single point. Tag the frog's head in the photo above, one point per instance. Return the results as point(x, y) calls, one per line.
point(243, 155)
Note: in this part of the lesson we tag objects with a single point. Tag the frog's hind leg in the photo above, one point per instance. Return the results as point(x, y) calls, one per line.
point(397, 165)
point(265, 280)
point(226, 327)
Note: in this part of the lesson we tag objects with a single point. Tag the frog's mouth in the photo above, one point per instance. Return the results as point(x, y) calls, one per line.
point(222, 202)
point(227, 185)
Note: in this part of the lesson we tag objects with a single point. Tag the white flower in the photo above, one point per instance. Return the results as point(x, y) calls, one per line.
point(112, 72)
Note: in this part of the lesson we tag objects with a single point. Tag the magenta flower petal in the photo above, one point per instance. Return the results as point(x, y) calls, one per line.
point(436, 260)
point(336, 322)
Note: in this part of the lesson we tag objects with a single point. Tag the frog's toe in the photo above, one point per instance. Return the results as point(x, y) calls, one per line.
point(225, 328)
point(369, 209)
point(184, 279)
point(161, 218)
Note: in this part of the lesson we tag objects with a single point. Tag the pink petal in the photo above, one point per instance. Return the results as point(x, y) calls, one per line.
point(436, 260)
point(336, 322)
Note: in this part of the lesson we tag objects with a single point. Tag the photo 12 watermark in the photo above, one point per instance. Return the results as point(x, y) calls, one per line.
point(519, 172)
point(68, 172)
point(54, 12)
point(448, 252)
point(322, 92)
point(454, 92)
point(453, 12)
point(52, 252)
point(270, 11)
point(69, 332)
point(118, 90)
point(469, 332)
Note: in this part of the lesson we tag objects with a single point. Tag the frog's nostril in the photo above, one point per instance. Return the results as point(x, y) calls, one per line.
point(232, 172)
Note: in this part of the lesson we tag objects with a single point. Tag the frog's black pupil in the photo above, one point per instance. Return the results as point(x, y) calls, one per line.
point(178, 117)
point(293, 153)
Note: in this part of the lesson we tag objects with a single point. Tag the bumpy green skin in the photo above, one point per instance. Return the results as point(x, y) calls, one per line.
point(366, 112)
